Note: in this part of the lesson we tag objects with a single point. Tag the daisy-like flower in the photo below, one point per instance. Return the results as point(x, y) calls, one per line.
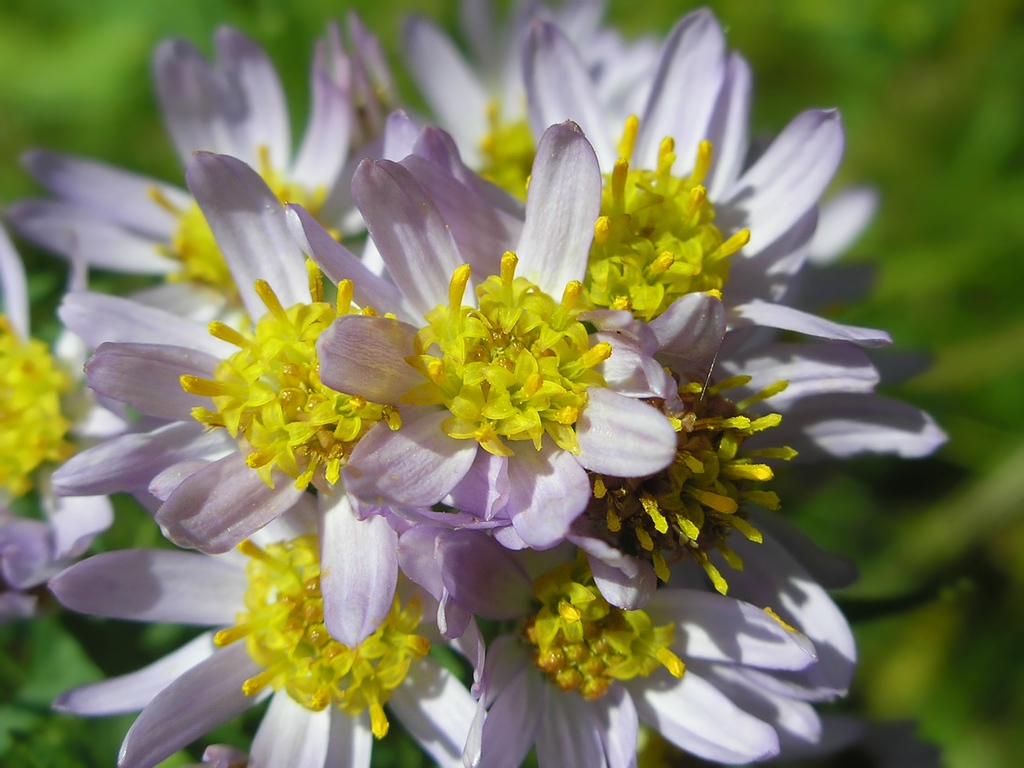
point(327, 699)
point(740, 410)
point(503, 409)
point(43, 416)
point(575, 675)
point(247, 426)
point(482, 103)
point(117, 220)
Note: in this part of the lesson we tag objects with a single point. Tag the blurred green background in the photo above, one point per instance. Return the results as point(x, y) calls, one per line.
point(931, 96)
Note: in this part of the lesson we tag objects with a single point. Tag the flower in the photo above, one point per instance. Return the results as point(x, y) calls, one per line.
point(501, 405)
point(326, 699)
point(574, 675)
point(245, 426)
point(43, 418)
point(482, 103)
point(118, 220)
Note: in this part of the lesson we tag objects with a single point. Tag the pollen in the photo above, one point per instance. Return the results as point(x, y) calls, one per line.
point(655, 239)
point(284, 632)
point(691, 508)
point(269, 396)
point(32, 426)
point(508, 150)
point(582, 643)
point(193, 244)
point(515, 369)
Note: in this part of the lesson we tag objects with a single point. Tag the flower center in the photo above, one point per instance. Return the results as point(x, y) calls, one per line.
point(284, 632)
point(582, 643)
point(508, 150)
point(32, 427)
point(692, 506)
point(269, 394)
point(517, 368)
point(193, 243)
point(655, 239)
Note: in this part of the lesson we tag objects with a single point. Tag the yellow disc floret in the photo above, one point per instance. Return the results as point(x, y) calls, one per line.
point(284, 632)
point(582, 643)
point(515, 369)
point(690, 508)
point(655, 239)
point(193, 244)
point(508, 150)
point(32, 427)
point(269, 394)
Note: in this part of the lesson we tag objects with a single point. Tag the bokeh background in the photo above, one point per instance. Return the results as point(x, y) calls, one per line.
point(931, 95)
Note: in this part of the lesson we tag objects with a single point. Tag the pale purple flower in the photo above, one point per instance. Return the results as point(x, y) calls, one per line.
point(197, 480)
point(479, 99)
point(679, 673)
point(815, 397)
point(45, 416)
point(532, 485)
point(217, 676)
point(118, 220)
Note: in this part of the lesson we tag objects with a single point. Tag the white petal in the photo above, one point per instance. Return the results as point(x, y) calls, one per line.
point(448, 83)
point(842, 220)
point(788, 179)
point(291, 735)
point(695, 716)
point(784, 318)
point(436, 710)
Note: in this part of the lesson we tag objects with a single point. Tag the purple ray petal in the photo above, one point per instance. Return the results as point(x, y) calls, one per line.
point(66, 229)
point(14, 286)
point(789, 178)
point(685, 90)
point(622, 437)
point(99, 317)
point(447, 82)
point(716, 628)
point(261, 119)
point(250, 226)
point(561, 208)
point(222, 504)
point(133, 692)
point(730, 128)
point(358, 570)
point(113, 194)
point(365, 356)
point(147, 377)
point(548, 490)
point(153, 585)
point(413, 238)
point(569, 733)
point(201, 699)
point(483, 576)
point(338, 263)
point(416, 466)
point(568, 96)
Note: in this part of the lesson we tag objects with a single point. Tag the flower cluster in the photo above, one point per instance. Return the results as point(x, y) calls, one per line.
point(535, 418)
